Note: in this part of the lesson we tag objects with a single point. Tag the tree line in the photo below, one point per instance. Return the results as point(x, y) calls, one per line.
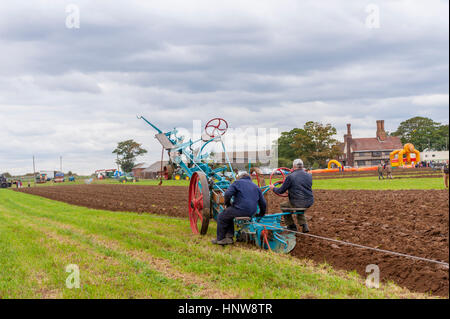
point(423, 133)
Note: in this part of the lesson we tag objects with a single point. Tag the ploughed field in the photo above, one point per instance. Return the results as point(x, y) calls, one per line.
point(413, 222)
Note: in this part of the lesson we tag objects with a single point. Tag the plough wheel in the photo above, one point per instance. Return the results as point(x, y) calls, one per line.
point(259, 176)
point(261, 182)
point(199, 203)
point(281, 170)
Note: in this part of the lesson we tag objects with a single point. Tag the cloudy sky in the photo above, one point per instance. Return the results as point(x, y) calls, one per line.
point(75, 92)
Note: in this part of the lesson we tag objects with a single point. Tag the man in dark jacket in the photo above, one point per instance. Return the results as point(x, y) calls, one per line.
point(247, 197)
point(299, 185)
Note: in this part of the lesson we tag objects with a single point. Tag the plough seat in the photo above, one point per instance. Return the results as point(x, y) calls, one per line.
point(243, 218)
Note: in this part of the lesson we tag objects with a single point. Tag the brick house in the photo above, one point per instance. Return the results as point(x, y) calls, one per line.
point(368, 151)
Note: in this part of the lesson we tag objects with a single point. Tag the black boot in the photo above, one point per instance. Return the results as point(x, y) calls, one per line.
point(305, 228)
point(292, 227)
point(225, 241)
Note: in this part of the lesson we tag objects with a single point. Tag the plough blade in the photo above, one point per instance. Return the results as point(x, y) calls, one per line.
point(282, 243)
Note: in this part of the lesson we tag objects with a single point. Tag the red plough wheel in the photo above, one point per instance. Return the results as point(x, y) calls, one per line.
point(256, 171)
point(216, 127)
point(281, 170)
point(199, 203)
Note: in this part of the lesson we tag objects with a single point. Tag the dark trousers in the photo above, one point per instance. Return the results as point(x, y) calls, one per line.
point(288, 220)
point(225, 221)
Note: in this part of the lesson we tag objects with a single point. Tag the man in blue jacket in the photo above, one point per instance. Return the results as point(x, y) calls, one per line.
point(299, 185)
point(247, 197)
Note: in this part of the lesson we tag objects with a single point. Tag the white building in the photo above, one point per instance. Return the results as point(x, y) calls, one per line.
point(240, 159)
point(436, 156)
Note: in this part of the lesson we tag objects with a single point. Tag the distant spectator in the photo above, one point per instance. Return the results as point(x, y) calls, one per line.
point(380, 171)
point(388, 170)
point(445, 174)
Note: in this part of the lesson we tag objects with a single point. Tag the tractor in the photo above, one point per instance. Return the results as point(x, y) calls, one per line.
point(179, 174)
point(127, 178)
point(4, 183)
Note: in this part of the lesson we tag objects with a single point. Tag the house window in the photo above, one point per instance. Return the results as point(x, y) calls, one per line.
point(362, 154)
point(376, 154)
point(361, 163)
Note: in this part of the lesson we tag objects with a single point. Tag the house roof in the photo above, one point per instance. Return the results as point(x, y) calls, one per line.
point(140, 165)
point(374, 144)
point(155, 167)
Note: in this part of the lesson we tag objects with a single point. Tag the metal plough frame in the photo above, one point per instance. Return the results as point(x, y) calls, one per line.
point(207, 188)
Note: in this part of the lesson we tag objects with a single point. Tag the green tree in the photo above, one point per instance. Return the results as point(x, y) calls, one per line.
point(440, 138)
point(318, 143)
point(286, 152)
point(315, 144)
point(127, 152)
point(423, 133)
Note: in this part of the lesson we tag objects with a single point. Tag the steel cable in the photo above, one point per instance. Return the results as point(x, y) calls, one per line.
point(361, 246)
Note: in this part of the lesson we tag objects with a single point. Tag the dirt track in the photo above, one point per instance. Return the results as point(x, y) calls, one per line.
point(411, 222)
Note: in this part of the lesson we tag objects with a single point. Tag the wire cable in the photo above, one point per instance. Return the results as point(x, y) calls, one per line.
point(361, 246)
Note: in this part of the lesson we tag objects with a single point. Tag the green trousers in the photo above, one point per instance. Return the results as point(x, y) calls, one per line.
point(301, 219)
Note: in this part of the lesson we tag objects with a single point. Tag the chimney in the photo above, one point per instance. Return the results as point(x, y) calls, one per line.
point(348, 142)
point(381, 134)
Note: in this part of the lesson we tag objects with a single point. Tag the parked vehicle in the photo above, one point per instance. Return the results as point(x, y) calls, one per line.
point(127, 177)
point(41, 178)
point(180, 174)
point(59, 177)
point(4, 183)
